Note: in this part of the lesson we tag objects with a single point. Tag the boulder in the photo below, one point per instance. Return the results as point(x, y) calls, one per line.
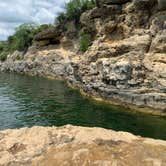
point(49, 33)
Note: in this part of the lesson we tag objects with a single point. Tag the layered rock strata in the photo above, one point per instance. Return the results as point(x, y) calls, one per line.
point(75, 146)
point(126, 62)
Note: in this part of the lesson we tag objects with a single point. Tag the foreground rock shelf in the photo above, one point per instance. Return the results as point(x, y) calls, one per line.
point(75, 146)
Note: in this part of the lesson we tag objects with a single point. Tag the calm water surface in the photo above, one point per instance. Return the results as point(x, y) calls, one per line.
point(27, 101)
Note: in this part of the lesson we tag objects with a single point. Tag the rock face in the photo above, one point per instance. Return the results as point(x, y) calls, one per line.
point(73, 146)
point(127, 59)
point(46, 37)
point(111, 2)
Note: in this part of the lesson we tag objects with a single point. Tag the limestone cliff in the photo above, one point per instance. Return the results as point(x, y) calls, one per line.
point(126, 62)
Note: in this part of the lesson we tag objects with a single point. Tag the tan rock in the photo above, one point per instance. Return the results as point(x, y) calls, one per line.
point(125, 63)
point(70, 145)
point(156, 63)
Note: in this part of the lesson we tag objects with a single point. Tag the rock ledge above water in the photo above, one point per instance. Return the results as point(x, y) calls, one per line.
point(72, 146)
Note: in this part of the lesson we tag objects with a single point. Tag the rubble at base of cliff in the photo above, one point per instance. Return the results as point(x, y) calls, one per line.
point(126, 61)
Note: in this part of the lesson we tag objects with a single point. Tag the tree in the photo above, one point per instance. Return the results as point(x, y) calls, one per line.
point(21, 40)
point(23, 37)
point(74, 9)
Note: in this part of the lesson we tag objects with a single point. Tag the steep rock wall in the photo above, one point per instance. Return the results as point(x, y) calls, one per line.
point(126, 62)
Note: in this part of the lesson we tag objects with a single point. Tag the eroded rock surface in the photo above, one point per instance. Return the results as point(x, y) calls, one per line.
point(126, 61)
point(75, 146)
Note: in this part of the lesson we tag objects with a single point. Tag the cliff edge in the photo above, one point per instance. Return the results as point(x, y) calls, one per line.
point(125, 62)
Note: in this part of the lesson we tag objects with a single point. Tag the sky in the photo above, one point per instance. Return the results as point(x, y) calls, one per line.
point(16, 12)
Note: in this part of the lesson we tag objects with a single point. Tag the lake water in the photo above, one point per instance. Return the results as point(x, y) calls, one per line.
point(28, 101)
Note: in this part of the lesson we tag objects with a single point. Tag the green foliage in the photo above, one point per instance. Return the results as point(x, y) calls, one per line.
point(23, 37)
point(3, 50)
point(85, 41)
point(74, 9)
point(2, 46)
point(21, 40)
point(3, 56)
point(88, 4)
point(42, 27)
point(61, 18)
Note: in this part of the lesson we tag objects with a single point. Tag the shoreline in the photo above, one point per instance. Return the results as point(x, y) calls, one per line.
point(97, 98)
point(118, 103)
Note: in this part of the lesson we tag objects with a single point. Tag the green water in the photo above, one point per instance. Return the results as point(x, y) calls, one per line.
point(27, 101)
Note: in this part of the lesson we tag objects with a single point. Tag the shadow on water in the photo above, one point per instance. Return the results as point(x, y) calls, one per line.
point(27, 101)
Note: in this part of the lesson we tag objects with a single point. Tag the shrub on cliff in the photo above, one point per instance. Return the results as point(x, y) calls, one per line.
point(85, 41)
point(3, 56)
point(3, 50)
point(2, 46)
point(74, 9)
point(22, 38)
point(61, 18)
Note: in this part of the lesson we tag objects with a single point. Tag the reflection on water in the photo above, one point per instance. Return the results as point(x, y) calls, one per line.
point(27, 101)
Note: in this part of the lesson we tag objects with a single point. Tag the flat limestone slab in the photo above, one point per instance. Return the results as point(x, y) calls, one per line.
point(78, 146)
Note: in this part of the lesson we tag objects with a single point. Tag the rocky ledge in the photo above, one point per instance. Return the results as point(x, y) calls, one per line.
point(75, 146)
point(126, 62)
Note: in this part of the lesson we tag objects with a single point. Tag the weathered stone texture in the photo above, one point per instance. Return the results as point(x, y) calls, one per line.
point(73, 146)
point(126, 61)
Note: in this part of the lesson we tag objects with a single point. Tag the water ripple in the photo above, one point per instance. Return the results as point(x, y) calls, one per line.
point(28, 101)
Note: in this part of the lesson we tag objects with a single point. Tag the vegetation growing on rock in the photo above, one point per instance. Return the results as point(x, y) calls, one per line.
point(3, 56)
point(85, 41)
point(20, 40)
point(127, 53)
point(74, 9)
point(25, 34)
